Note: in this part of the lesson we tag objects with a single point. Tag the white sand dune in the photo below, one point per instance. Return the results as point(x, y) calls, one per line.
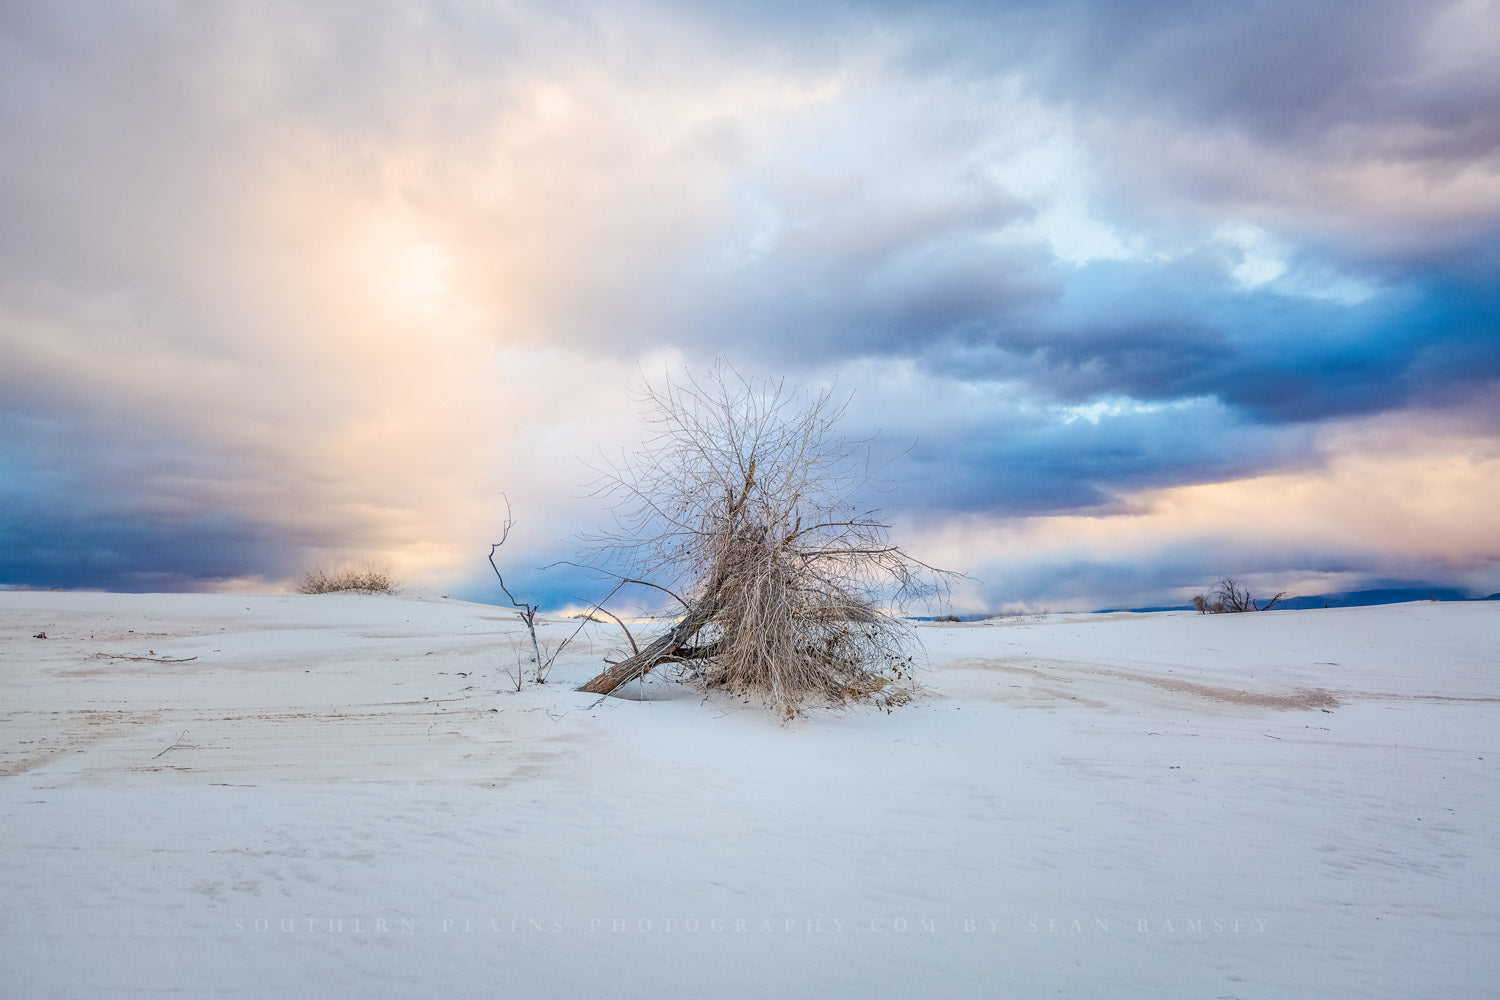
point(227, 796)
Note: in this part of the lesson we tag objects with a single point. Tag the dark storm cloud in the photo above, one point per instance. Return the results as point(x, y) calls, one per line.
point(1065, 461)
point(1285, 71)
point(1216, 370)
point(1312, 88)
point(887, 300)
point(71, 544)
point(93, 499)
point(1159, 333)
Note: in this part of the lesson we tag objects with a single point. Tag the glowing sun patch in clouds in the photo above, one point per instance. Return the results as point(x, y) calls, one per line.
point(415, 275)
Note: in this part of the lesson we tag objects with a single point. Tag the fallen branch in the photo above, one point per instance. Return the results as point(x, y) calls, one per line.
point(144, 659)
point(623, 580)
point(179, 745)
point(662, 650)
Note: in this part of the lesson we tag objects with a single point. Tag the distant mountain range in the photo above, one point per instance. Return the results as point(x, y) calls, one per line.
point(1361, 598)
point(1353, 599)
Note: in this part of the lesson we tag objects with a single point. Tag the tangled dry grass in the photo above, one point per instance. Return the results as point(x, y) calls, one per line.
point(364, 579)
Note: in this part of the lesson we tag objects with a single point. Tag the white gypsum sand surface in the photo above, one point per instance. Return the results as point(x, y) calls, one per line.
point(304, 796)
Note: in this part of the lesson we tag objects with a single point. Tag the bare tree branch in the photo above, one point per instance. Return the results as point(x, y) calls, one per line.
point(526, 611)
point(614, 618)
point(623, 580)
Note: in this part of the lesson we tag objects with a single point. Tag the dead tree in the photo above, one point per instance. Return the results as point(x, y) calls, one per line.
point(526, 611)
point(1230, 598)
point(746, 500)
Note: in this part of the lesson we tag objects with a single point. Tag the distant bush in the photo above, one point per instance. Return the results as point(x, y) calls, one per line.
point(948, 618)
point(1229, 598)
point(359, 579)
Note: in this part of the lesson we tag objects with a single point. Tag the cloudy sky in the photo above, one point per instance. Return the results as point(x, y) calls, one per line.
point(1152, 292)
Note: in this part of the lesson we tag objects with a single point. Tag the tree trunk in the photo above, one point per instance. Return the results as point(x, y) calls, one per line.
point(660, 649)
point(664, 647)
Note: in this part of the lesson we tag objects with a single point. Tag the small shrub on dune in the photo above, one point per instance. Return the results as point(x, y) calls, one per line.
point(357, 579)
